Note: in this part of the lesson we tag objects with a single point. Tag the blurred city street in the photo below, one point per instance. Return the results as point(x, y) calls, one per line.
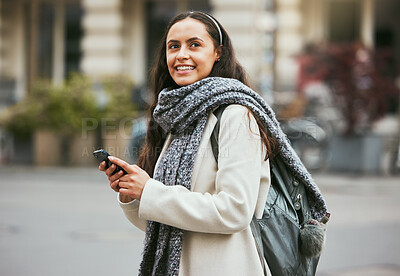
point(66, 221)
point(75, 75)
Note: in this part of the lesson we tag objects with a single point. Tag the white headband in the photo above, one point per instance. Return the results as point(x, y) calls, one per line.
point(216, 24)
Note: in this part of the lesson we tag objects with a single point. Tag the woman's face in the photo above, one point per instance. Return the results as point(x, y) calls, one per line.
point(190, 52)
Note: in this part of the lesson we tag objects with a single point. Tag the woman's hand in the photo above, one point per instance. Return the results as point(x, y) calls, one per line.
point(131, 185)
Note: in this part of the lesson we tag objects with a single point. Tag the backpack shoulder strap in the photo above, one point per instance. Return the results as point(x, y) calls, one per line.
point(215, 134)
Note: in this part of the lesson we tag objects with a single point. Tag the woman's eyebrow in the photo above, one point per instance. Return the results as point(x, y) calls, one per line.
point(172, 41)
point(189, 40)
point(194, 38)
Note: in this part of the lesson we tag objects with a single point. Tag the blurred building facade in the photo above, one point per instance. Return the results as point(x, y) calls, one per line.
point(51, 38)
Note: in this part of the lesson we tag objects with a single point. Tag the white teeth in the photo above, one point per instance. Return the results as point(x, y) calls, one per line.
point(183, 68)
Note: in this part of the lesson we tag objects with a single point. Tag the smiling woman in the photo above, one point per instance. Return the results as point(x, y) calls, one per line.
point(194, 206)
point(177, 193)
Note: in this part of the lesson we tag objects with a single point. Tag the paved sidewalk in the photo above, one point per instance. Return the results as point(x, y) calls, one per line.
point(364, 226)
point(63, 222)
point(66, 221)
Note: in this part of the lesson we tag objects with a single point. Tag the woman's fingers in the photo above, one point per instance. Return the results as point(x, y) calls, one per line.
point(130, 185)
point(121, 163)
point(110, 170)
point(115, 185)
point(102, 166)
point(133, 184)
point(115, 176)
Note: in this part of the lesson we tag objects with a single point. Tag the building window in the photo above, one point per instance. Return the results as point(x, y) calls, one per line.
point(45, 41)
point(73, 36)
point(71, 28)
point(344, 21)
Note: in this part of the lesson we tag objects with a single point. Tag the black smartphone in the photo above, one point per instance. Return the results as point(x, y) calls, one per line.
point(101, 155)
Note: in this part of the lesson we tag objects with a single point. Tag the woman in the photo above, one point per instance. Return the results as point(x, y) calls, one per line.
point(196, 210)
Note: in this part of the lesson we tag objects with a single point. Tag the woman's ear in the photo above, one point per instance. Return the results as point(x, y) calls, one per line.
point(218, 53)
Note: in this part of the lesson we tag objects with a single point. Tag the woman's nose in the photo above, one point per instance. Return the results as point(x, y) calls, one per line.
point(183, 53)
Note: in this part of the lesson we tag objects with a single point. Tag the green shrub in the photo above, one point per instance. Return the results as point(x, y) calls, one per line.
point(59, 108)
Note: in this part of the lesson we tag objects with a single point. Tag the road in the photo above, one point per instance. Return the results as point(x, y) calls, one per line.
point(362, 236)
point(66, 221)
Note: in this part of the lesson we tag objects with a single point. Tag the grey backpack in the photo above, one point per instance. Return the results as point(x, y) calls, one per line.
point(286, 236)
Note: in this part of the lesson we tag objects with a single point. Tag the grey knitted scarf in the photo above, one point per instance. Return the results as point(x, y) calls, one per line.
point(183, 112)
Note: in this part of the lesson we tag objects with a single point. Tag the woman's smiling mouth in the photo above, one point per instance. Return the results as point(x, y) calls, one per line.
point(184, 68)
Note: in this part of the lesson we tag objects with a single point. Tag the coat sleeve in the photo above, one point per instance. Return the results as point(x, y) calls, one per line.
point(131, 212)
point(230, 208)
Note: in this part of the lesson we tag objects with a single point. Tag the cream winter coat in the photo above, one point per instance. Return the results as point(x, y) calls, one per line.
point(216, 213)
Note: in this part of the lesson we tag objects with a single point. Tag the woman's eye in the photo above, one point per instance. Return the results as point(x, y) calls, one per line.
point(195, 44)
point(173, 46)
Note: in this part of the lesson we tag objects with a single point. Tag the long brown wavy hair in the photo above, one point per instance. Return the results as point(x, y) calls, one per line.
point(228, 67)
